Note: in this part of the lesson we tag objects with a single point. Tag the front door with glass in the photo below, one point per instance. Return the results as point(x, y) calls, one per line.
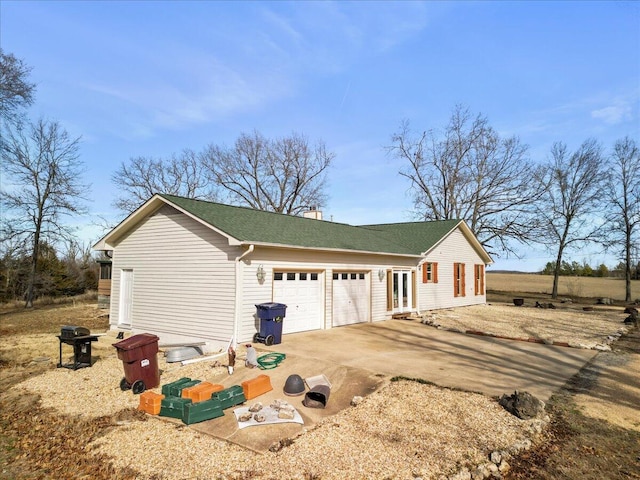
point(402, 291)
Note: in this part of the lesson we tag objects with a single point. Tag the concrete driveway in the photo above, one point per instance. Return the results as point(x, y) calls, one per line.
point(470, 362)
point(358, 359)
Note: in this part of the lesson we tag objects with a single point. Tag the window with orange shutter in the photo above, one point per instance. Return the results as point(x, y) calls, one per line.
point(458, 280)
point(479, 279)
point(430, 272)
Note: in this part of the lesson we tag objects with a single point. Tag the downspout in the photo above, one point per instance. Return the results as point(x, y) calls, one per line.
point(239, 290)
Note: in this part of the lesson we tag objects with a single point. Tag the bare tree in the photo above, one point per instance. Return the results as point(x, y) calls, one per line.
point(284, 175)
point(80, 265)
point(41, 162)
point(622, 193)
point(569, 205)
point(469, 172)
point(16, 92)
point(142, 177)
point(12, 255)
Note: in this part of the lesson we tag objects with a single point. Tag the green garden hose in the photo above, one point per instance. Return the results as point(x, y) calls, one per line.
point(271, 360)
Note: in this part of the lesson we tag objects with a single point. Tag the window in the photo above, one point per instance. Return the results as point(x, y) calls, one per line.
point(458, 280)
point(479, 279)
point(345, 276)
point(430, 272)
point(361, 276)
point(105, 271)
point(354, 276)
point(292, 276)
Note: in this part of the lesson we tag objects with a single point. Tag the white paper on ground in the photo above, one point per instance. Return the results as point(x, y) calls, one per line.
point(271, 415)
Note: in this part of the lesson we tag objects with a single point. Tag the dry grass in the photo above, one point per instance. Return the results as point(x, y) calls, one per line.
point(574, 287)
point(15, 305)
point(50, 317)
point(595, 432)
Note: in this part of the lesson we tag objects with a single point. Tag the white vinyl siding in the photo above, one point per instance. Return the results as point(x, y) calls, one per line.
point(325, 263)
point(455, 248)
point(184, 282)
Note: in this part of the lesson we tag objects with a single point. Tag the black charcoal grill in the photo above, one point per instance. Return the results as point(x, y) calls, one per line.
point(71, 331)
point(80, 339)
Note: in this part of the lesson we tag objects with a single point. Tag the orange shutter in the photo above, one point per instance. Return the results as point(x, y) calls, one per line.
point(456, 283)
point(463, 287)
point(434, 272)
point(425, 279)
point(476, 282)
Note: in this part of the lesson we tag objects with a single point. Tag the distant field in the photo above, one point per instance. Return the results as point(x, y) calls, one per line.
point(585, 287)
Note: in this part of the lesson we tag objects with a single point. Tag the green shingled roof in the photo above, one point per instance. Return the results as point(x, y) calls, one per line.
point(255, 226)
point(418, 236)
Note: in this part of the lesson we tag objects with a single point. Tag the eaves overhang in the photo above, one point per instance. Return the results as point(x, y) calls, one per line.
point(328, 249)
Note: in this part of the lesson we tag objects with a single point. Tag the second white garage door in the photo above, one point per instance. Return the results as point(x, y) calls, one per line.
point(350, 298)
point(301, 292)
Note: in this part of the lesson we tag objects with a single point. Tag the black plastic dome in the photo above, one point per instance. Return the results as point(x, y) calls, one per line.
point(294, 385)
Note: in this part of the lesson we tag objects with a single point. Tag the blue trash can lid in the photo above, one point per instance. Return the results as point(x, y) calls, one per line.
point(270, 306)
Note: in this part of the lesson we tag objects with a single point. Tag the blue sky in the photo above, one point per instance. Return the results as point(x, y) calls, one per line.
point(151, 78)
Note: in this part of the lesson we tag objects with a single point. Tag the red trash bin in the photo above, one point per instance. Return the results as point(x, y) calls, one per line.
point(139, 355)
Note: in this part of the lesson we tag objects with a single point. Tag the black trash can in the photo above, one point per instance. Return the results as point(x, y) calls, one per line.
point(271, 317)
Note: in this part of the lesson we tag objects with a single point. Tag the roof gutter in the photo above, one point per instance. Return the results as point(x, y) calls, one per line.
point(333, 250)
point(239, 291)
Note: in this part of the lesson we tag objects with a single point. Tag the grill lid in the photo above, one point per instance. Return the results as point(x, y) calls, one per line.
point(72, 331)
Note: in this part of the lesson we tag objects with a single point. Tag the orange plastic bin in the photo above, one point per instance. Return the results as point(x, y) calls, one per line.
point(256, 386)
point(202, 391)
point(150, 402)
point(139, 355)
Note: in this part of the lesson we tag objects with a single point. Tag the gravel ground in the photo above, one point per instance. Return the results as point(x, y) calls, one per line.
point(566, 323)
point(405, 430)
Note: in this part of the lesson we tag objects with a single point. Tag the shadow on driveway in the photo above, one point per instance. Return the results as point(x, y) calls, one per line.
point(475, 363)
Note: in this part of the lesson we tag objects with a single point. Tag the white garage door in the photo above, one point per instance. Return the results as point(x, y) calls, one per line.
point(301, 292)
point(350, 298)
